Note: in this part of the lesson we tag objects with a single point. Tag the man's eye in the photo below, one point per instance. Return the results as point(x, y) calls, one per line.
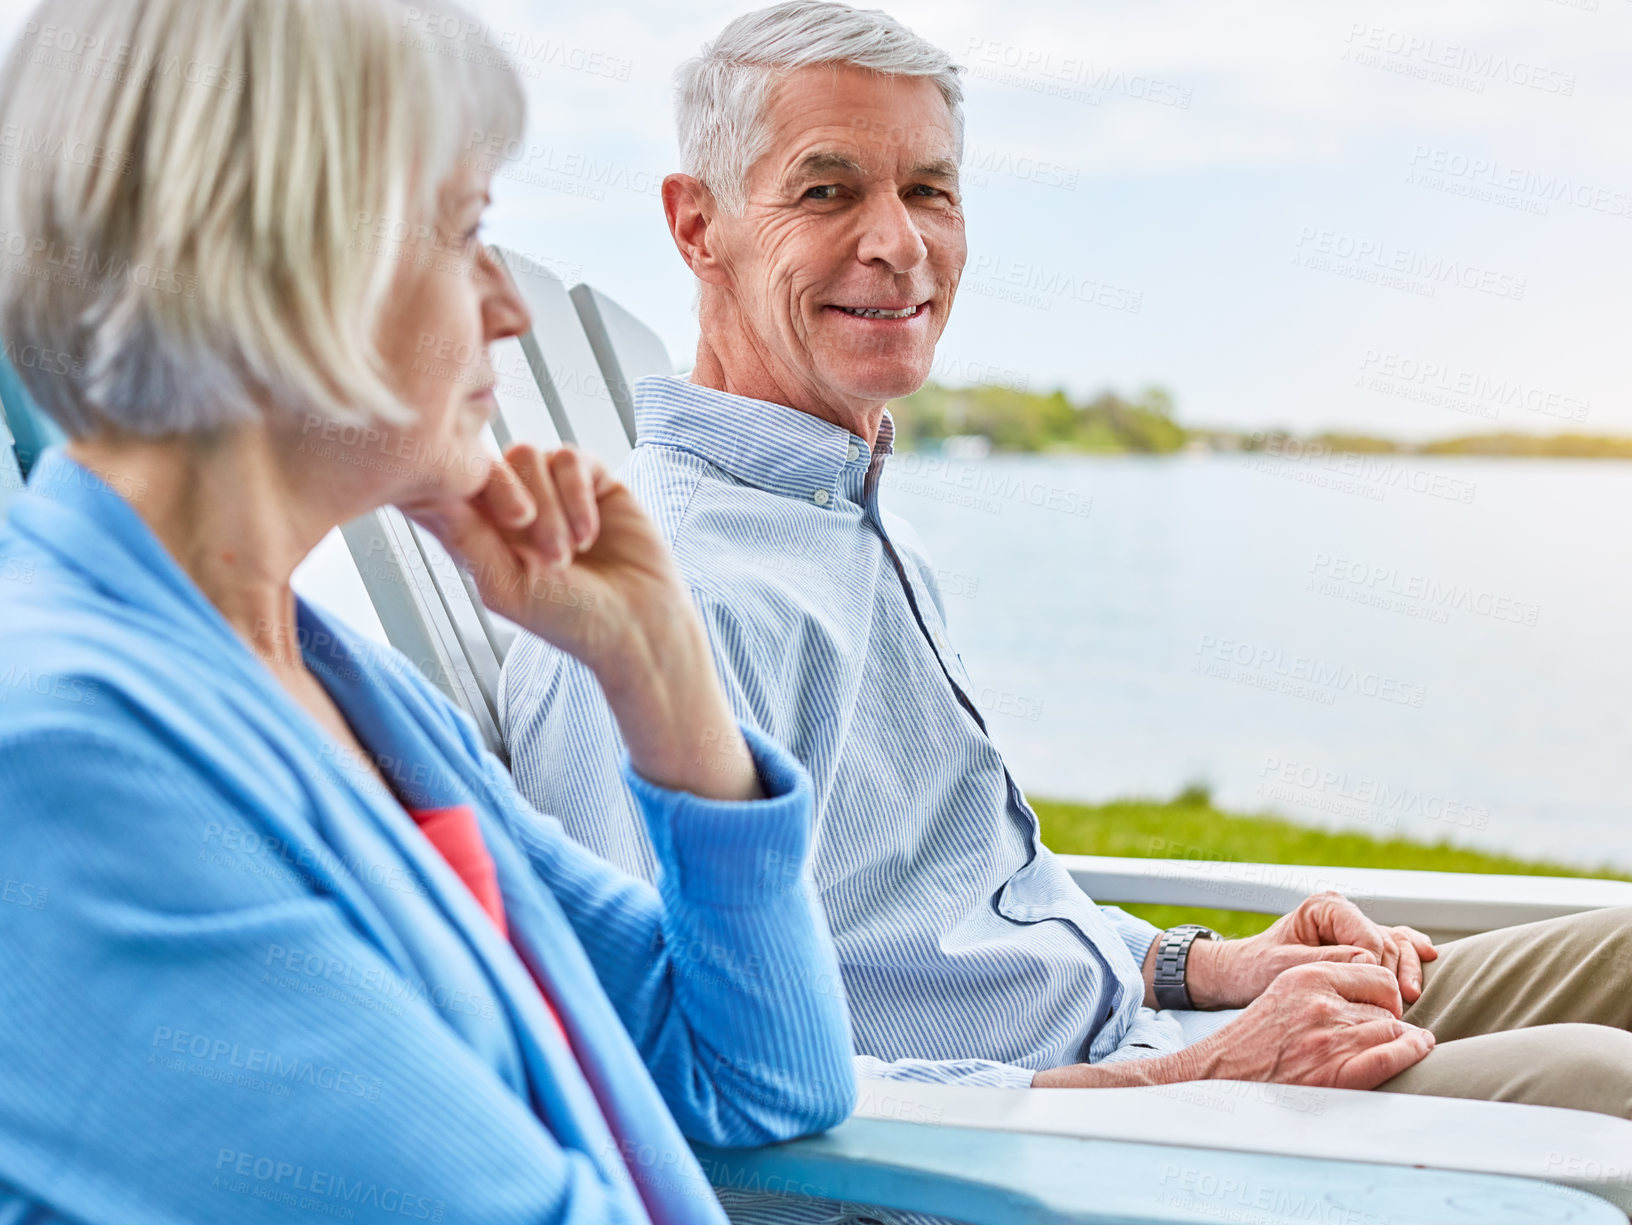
point(924, 189)
point(827, 191)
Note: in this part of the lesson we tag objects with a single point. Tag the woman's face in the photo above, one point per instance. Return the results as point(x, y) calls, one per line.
point(450, 301)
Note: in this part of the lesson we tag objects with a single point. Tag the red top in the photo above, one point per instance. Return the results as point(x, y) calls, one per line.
point(458, 839)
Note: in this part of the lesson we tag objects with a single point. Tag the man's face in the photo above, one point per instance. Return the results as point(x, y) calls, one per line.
point(847, 257)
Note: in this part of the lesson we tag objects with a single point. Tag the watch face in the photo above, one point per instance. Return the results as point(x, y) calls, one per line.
point(1172, 958)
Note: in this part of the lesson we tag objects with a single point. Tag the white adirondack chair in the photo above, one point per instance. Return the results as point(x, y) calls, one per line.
point(913, 1142)
point(911, 1147)
point(1201, 1152)
point(581, 406)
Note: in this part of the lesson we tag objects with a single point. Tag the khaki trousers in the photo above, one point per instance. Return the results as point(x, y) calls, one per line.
point(1539, 1014)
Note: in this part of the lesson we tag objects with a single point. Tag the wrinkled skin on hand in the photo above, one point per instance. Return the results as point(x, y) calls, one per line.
point(1325, 1024)
point(1326, 927)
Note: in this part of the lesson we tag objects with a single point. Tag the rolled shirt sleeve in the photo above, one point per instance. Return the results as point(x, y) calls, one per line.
point(724, 971)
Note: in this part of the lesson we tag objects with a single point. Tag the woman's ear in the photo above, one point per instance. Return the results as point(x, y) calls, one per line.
point(691, 210)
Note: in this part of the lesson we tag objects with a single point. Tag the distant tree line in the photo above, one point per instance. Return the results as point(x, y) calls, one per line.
point(1015, 419)
point(1018, 420)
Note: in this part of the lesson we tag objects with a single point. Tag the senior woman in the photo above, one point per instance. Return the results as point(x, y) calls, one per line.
point(277, 933)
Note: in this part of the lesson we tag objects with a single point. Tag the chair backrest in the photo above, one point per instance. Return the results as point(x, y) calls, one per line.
point(625, 348)
point(563, 364)
point(330, 579)
point(428, 610)
point(524, 414)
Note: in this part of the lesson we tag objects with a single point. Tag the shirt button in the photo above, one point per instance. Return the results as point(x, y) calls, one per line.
point(821, 497)
point(855, 452)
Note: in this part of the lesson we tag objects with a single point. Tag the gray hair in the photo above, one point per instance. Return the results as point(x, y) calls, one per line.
point(213, 220)
point(720, 95)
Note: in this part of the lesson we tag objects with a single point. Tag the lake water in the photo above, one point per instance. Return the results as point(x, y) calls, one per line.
point(1435, 648)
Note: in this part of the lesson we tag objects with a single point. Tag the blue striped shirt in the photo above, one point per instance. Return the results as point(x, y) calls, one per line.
point(967, 952)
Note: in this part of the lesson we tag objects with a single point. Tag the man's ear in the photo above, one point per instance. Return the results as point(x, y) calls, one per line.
point(691, 210)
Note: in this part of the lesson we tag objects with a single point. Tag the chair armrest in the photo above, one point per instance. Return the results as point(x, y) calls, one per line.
point(1004, 1178)
point(1590, 1152)
point(1444, 904)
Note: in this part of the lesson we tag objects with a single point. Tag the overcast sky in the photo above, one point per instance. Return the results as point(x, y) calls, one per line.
point(1372, 215)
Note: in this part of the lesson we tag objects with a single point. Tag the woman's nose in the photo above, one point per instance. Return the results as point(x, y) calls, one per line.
point(504, 312)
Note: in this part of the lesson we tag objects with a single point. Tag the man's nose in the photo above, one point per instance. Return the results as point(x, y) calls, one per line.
point(889, 236)
point(504, 313)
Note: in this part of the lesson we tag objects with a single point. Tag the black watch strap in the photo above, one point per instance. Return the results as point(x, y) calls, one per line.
point(1172, 958)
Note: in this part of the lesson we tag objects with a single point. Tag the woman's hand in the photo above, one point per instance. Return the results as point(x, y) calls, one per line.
point(558, 546)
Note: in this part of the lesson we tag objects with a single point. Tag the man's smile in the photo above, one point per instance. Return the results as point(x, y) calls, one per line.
point(883, 312)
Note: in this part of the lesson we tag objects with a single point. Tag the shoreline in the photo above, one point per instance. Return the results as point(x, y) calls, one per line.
point(1191, 827)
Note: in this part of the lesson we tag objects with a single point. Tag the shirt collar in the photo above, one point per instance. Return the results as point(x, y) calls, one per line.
point(770, 446)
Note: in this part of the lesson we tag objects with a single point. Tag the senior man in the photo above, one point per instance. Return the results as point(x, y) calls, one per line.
point(820, 213)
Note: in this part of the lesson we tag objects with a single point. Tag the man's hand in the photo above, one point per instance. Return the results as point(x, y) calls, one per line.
point(1324, 928)
point(1326, 1024)
point(558, 546)
point(1330, 1025)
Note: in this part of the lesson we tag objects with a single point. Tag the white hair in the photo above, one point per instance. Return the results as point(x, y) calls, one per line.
point(721, 94)
point(200, 225)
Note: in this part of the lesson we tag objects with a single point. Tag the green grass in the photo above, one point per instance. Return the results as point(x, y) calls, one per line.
point(1189, 827)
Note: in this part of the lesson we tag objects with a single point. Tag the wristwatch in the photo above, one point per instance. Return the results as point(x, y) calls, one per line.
point(1172, 956)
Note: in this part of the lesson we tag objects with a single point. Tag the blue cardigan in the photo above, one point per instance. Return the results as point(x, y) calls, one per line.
point(237, 983)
